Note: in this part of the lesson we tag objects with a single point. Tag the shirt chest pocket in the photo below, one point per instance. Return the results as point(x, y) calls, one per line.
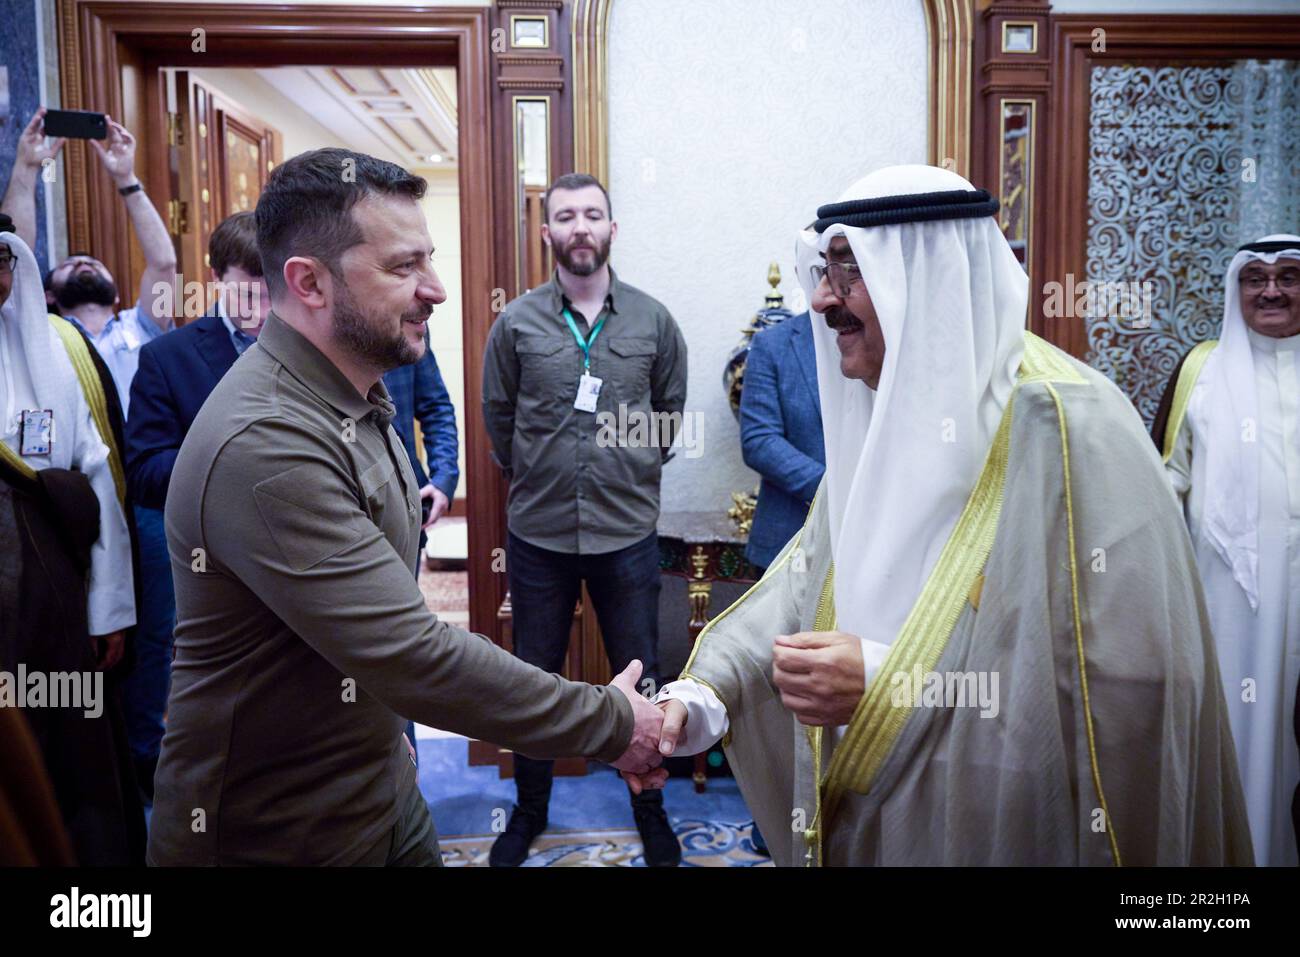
point(546, 367)
point(630, 363)
point(374, 489)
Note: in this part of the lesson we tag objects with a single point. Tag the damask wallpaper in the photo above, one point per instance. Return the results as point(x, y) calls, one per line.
point(730, 123)
point(1186, 163)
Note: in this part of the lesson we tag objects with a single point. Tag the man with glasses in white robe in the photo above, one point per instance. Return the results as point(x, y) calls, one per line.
point(1229, 432)
point(986, 645)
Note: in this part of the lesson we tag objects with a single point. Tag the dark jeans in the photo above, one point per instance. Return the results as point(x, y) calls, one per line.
point(544, 588)
point(144, 692)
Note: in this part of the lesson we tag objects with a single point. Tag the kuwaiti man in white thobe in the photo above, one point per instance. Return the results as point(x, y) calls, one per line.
point(67, 594)
point(1231, 443)
point(986, 645)
point(37, 376)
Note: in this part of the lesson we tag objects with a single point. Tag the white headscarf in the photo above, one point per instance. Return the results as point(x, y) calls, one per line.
point(902, 460)
point(32, 357)
point(1223, 406)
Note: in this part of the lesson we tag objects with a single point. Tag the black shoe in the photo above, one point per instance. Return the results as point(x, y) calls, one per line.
point(657, 837)
point(511, 848)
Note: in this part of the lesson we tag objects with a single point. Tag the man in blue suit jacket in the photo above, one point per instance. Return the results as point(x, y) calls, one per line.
point(781, 432)
point(177, 372)
point(418, 392)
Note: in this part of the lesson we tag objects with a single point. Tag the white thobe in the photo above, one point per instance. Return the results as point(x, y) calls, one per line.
point(1259, 651)
point(77, 445)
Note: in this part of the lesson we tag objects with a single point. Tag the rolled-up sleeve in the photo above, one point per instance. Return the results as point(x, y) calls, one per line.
point(303, 542)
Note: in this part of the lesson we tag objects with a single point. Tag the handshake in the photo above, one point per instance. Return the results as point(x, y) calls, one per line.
point(655, 731)
point(819, 675)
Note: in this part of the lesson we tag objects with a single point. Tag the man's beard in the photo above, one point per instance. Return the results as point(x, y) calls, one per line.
point(84, 287)
point(363, 334)
point(600, 256)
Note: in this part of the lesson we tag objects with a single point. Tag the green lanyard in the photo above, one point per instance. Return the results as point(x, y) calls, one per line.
point(585, 345)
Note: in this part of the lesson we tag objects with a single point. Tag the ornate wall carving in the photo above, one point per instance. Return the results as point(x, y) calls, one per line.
point(1185, 163)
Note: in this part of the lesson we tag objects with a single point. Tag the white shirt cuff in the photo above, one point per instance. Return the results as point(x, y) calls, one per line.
point(706, 715)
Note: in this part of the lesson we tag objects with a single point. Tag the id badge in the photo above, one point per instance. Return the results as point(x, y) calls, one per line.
point(588, 393)
point(37, 426)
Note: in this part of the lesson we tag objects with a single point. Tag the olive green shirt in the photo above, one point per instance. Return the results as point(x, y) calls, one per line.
point(570, 492)
point(302, 640)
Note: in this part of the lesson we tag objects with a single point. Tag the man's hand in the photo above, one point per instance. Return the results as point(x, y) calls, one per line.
point(819, 675)
point(440, 504)
point(642, 752)
point(118, 156)
point(675, 716)
point(114, 644)
point(33, 151)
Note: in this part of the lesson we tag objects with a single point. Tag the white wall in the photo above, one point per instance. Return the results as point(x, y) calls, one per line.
point(730, 123)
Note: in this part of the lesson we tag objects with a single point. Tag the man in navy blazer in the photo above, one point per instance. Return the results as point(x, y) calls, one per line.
point(781, 432)
point(418, 393)
point(177, 372)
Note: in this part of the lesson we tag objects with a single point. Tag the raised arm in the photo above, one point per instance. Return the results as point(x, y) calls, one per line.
point(118, 158)
point(20, 197)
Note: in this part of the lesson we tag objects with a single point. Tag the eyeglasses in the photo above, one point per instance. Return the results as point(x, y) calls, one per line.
point(842, 276)
point(7, 262)
point(1255, 283)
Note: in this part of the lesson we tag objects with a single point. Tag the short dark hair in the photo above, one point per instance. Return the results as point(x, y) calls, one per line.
point(306, 207)
point(234, 243)
point(574, 181)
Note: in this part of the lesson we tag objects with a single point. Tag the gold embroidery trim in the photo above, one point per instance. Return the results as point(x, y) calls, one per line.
point(876, 724)
point(1078, 628)
point(93, 389)
point(824, 620)
point(1187, 376)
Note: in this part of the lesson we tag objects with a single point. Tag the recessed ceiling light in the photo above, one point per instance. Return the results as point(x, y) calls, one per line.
point(435, 157)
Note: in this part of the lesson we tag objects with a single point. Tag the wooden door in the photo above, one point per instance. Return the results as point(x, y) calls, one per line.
point(219, 156)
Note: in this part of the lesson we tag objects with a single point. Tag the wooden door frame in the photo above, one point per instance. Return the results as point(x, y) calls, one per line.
point(101, 41)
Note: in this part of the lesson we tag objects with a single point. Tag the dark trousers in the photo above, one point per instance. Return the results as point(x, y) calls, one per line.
point(144, 692)
point(544, 588)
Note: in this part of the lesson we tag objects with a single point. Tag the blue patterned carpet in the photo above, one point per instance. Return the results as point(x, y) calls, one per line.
point(590, 818)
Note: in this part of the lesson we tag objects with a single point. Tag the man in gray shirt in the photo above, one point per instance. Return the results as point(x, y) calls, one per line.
point(584, 382)
point(302, 640)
